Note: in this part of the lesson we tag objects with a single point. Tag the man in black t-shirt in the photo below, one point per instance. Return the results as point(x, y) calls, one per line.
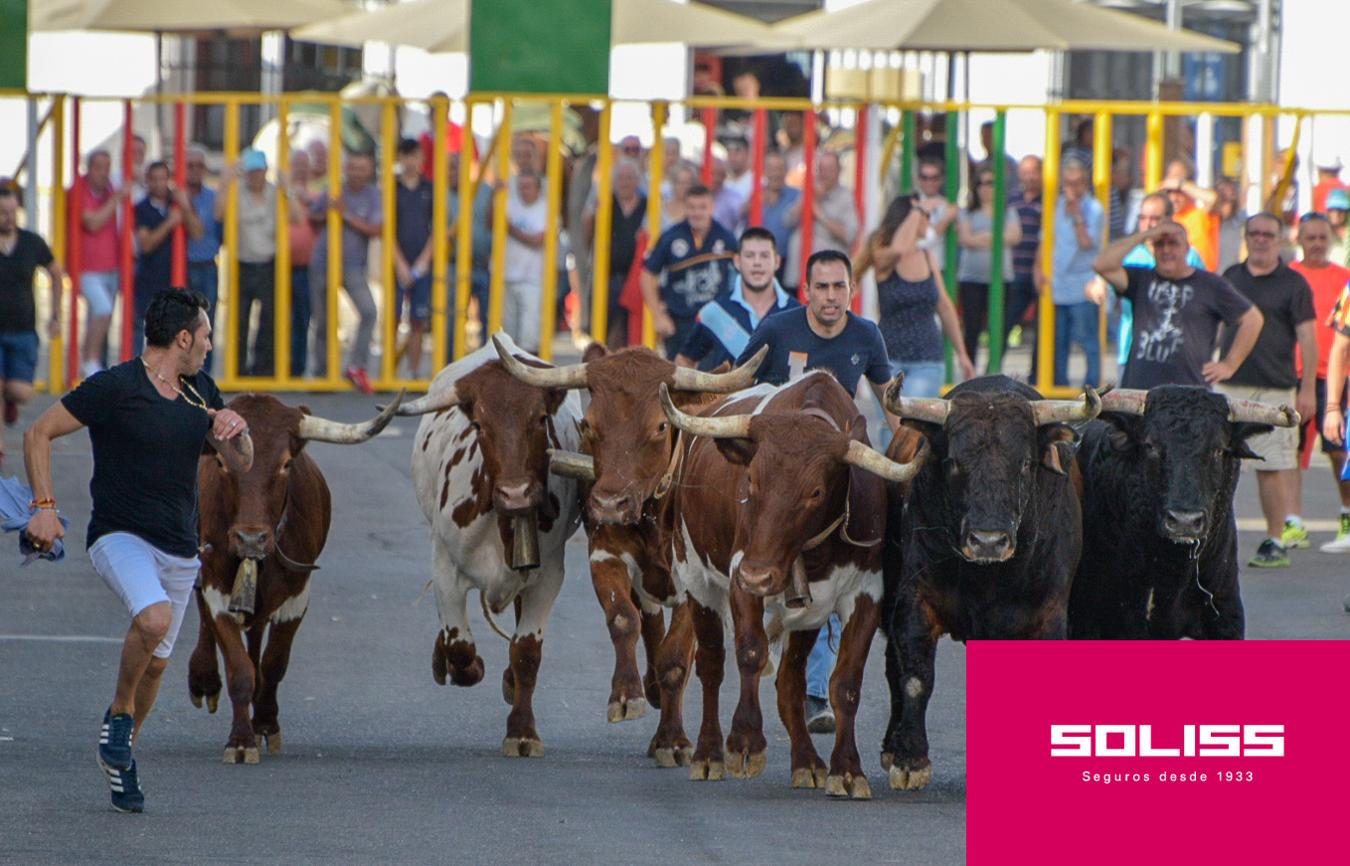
point(149, 420)
point(156, 216)
point(21, 254)
point(413, 205)
point(1177, 312)
point(823, 335)
point(1270, 375)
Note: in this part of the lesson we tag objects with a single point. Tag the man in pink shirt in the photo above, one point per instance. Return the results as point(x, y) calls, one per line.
point(99, 248)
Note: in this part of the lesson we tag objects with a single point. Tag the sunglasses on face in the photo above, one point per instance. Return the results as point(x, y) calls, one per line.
point(632, 151)
point(1163, 243)
point(930, 177)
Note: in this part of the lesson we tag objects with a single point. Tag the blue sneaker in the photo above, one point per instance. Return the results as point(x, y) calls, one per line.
point(114, 740)
point(125, 788)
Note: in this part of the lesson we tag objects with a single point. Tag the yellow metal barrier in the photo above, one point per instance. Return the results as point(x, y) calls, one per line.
point(451, 309)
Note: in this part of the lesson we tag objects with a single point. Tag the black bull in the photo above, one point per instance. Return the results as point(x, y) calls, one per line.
point(991, 539)
point(1160, 535)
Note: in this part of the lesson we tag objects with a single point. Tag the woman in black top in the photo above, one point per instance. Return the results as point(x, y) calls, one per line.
point(912, 300)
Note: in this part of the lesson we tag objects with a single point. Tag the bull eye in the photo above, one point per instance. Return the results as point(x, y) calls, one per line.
point(816, 494)
point(951, 467)
point(662, 428)
point(1219, 453)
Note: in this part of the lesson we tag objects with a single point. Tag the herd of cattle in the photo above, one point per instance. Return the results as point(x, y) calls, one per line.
point(751, 512)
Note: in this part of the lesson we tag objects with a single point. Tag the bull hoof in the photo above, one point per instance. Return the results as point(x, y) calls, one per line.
point(809, 777)
point(886, 760)
point(509, 687)
point(241, 755)
point(848, 785)
point(910, 780)
point(627, 710)
point(707, 771)
point(212, 703)
point(668, 757)
point(469, 675)
point(522, 747)
point(274, 743)
point(196, 700)
point(742, 766)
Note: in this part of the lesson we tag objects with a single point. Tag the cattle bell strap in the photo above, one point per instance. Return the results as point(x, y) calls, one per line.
point(281, 555)
point(840, 523)
point(676, 457)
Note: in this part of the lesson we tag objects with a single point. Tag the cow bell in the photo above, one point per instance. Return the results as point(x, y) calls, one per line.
point(799, 590)
point(245, 592)
point(525, 541)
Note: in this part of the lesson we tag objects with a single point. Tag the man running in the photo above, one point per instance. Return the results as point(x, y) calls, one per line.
point(149, 420)
point(21, 253)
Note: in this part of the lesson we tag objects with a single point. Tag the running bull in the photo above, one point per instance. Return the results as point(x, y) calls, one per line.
point(985, 544)
point(629, 450)
point(1160, 535)
point(262, 533)
point(499, 519)
point(780, 508)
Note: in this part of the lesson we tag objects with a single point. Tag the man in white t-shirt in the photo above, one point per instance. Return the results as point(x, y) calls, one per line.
point(527, 225)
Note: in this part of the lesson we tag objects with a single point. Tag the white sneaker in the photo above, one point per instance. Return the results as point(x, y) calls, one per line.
point(1342, 542)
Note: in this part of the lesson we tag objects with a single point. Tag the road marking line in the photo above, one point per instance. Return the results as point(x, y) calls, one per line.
point(1256, 524)
point(62, 638)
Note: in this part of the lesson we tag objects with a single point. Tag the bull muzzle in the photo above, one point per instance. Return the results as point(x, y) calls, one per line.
point(1184, 526)
point(761, 580)
point(987, 546)
point(622, 509)
point(517, 495)
point(250, 542)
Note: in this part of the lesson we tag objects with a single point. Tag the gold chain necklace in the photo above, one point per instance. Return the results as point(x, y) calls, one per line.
point(198, 401)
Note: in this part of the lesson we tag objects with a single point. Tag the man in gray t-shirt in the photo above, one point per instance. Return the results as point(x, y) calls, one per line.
point(362, 214)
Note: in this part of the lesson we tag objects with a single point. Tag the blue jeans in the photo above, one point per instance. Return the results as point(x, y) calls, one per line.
point(922, 378)
point(1077, 323)
point(204, 277)
point(820, 663)
point(299, 318)
point(18, 356)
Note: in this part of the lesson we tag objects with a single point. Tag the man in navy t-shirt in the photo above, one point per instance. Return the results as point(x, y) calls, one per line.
point(823, 334)
point(692, 260)
point(725, 323)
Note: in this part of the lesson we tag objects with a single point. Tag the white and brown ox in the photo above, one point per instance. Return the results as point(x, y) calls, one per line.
point(263, 530)
point(499, 518)
point(781, 506)
point(629, 448)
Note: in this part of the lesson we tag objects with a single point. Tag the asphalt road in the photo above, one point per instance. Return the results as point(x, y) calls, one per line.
point(383, 766)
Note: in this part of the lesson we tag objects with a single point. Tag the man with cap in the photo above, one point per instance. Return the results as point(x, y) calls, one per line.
point(1328, 180)
point(257, 213)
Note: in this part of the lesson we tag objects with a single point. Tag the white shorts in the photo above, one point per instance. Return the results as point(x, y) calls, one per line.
point(99, 290)
point(142, 574)
point(1277, 449)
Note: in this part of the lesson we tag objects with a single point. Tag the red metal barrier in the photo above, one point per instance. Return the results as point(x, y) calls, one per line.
point(808, 221)
point(74, 248)
point(757, 187)
point(128, 218)
point(709, 135)
point(179, 274)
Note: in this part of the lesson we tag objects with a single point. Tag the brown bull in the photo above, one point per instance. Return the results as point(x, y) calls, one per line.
point(779, 486)
point(627, 511)
point(261, 532)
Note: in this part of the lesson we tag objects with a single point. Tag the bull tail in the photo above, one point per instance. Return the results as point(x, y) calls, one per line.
point(487, 615)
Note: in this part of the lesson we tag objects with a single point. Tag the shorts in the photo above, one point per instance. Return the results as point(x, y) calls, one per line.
point(18, 356)
point(1279, 448)
point(141, 574)
point(99, 290)
point(417, 297)
point(1327, 447)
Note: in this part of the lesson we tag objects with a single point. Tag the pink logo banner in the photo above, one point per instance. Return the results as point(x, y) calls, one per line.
point(1128, 752)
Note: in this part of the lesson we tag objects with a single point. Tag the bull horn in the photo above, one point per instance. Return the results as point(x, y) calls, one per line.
point(571, 376)
point(317, 429)
point(879, 464)
point(1066, 411)
point(1252, 412)
point(725, 427)
point(570, 464)
point(1125, 401)
point(931, 409)
point(688, 379)
point(429, 403)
